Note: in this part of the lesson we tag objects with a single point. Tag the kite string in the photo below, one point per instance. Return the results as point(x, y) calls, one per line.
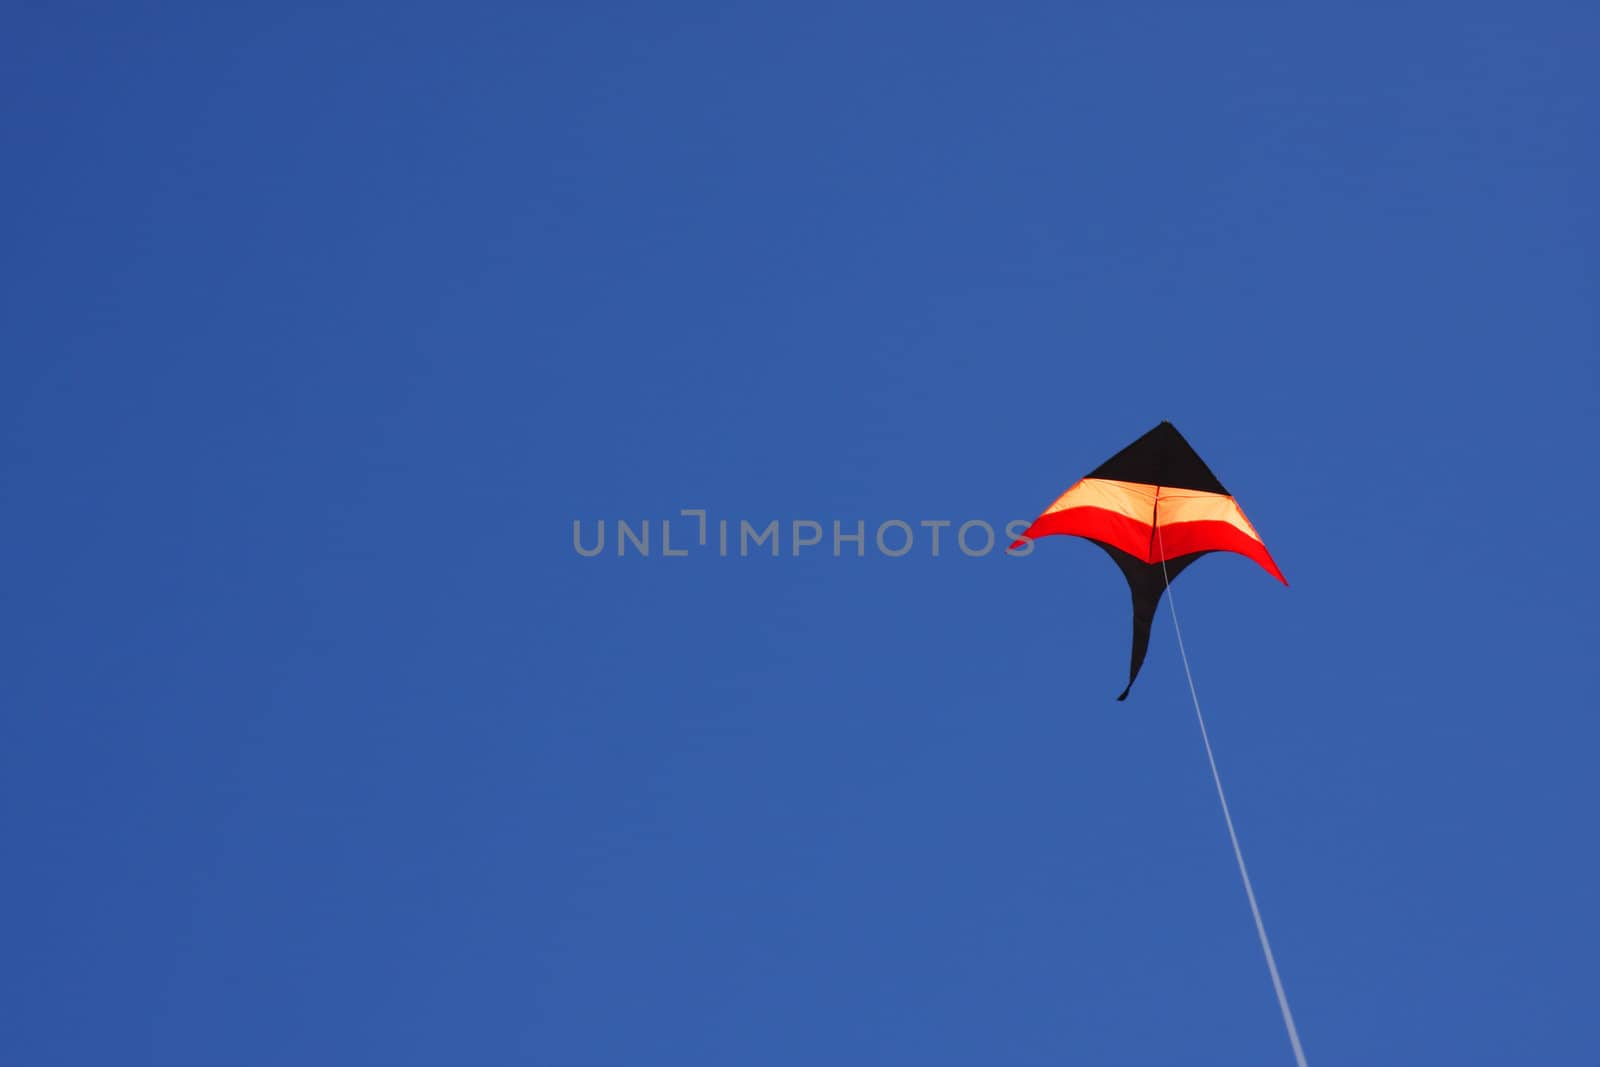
point(1238, 853)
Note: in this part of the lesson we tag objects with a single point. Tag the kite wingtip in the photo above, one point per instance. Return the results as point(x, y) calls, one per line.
point(1125, 692)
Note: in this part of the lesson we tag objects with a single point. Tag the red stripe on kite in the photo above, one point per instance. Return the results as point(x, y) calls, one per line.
point(1138, 539)
point(1181, 538)
point(1130, 535)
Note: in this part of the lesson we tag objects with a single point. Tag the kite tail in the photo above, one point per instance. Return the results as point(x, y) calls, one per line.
point(1145, 602)
point(1146, 581)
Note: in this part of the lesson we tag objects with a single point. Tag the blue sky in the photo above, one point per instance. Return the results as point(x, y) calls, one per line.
point(320, 327)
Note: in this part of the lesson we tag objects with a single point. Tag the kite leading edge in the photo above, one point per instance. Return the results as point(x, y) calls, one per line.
point(1158, 482)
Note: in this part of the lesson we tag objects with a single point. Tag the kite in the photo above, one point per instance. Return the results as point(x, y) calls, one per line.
point(1155, 507)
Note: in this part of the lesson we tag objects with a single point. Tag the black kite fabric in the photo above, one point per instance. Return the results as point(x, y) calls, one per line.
point(1155, 507)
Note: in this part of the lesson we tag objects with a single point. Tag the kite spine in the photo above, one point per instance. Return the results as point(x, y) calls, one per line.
point(1238, 853)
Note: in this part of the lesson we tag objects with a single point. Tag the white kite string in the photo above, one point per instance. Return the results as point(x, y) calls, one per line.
point(1238, 854)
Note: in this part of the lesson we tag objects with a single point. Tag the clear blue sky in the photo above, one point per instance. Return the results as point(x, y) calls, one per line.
point(321, 745)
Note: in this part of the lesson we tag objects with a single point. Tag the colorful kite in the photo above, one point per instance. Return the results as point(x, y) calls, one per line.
point(1155, 507)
